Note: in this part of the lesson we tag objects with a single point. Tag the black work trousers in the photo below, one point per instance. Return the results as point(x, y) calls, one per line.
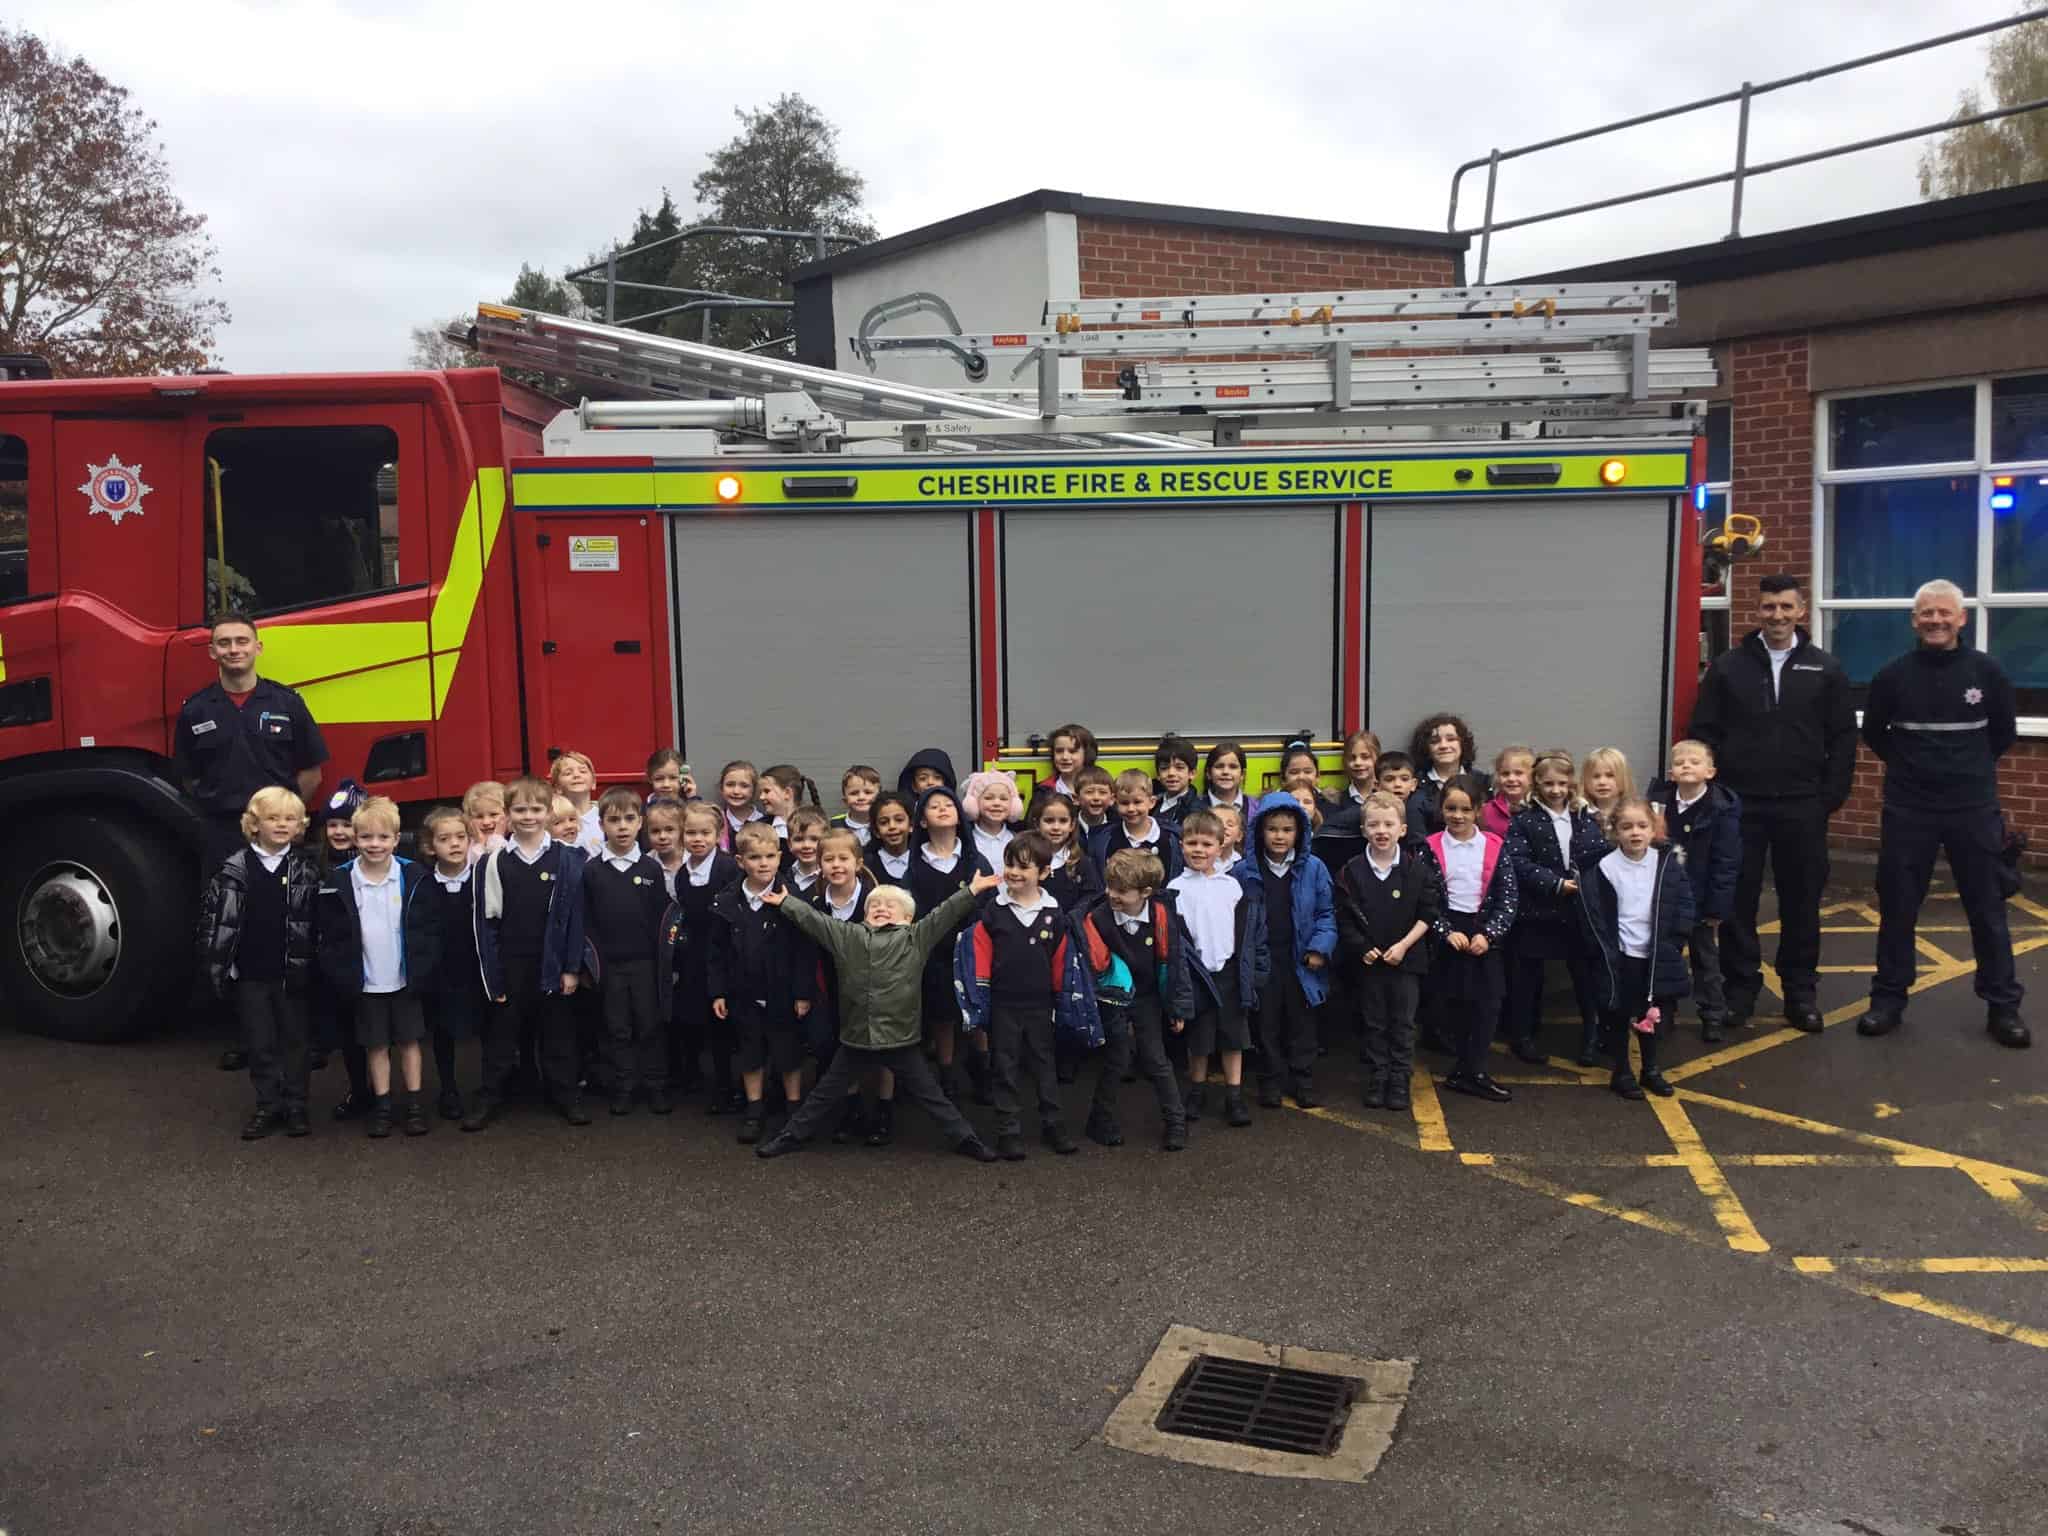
point(635, 1048)
point(1020, 1040)
point(547, 1017)
point(1138, 1033)
point(1907, 844)
point(275, 1034)
point(1794, 835)
point(914, 1081)
point(1286, 1028)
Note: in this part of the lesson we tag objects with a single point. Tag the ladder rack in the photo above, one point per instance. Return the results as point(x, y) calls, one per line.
point(1524, 359)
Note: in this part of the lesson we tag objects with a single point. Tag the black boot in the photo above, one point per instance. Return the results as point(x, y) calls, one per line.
point(1397, 1090)
point(416, 1122)
point(1269, 1093)
point(2007, 1028)
point(852, 1124)
point(1194, 1098)
point(234, 1059)
point(1010, 1147)
point(1374, 1094)
point(1882, 1019)
point(750, 1123)
point(259, 1125)
point(1055, 1136)
point(1304, 1092)
point(882, 1130)
point(482, 1113)
point(1235, 1110)
point(778, 1144)
point(1103, 1130)
point(1527, 1050)
point(450, 1106)
point(296, 1123)
point(1176, 1138)
point(379, 1119)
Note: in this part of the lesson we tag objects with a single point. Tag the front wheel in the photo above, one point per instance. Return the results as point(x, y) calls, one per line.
point(98, 914)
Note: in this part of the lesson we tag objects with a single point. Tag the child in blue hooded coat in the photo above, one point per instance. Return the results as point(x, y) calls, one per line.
point(1290, 887)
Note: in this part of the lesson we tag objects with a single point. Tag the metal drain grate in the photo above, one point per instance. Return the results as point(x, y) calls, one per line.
point(1261, 1405)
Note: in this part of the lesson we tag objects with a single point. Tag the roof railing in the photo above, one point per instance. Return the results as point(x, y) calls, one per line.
point(1488, 226)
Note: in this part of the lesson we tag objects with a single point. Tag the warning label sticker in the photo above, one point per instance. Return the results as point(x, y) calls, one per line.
point(593, 552)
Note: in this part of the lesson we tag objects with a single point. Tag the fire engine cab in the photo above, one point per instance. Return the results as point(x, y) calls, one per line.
point(1473, 498)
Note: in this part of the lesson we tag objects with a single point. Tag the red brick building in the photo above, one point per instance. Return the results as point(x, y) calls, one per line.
point(1884, 411)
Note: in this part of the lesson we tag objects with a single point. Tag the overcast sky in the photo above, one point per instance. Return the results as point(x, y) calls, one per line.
point(369, 164)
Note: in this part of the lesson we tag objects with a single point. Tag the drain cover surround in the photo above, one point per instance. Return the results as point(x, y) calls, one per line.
point(1148, 1422)
point(1244, 1402)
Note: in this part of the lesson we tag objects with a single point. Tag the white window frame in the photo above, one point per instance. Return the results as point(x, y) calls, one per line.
point(1982, 601)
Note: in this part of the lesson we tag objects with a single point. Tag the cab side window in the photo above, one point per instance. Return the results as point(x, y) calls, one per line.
point(297, 516)
point(13, 519)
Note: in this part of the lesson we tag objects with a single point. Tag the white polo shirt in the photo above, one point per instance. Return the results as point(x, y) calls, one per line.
point(380, 912)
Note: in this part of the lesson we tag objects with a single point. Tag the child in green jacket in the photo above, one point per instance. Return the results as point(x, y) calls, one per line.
point(881, 990)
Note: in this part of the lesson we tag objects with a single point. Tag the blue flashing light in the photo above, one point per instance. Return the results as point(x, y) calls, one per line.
point(1699, 498)
point(2001, 501)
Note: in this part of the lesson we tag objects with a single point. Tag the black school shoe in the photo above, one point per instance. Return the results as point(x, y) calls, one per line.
point(1235, 1111)
point(296, 1123)
point(1880, 1020)
point(1712, 1032)
point(882, 1129)
point(622, 1102)
point(1527, 1051)
point(1625, 1084)
point(1374, 1093)
point(416, 1122)
point(485, 1111)
point(1304, 1093)
point(853, 1123)
point(1477, 1085)
point(750, 1125)
point(659, 1102)
point(1010, 1147)
point(1803, 1014)
point(1104, 1131)
point(378, 1122)
point(353, 1106)
point(1194, 1099)
point(1175, 1139)
point(450, 1105)
point(234, 1059)
point(1655, 1083)
point(573, 1110)
point(1397, 1091)
point(976, 1148)
point(259, 1125)
point(1269, 1093)
point(778, 1144)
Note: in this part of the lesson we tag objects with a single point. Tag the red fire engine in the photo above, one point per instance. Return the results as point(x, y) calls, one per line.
point(748, 557)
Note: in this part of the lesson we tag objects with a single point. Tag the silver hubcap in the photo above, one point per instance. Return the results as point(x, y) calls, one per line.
point(70, 930)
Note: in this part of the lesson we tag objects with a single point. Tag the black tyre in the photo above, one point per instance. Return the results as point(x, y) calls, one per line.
point(98, 917)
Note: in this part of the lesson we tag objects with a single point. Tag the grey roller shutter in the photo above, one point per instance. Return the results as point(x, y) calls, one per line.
point(824, 640)
point(1540, 621)
point(1200, 620)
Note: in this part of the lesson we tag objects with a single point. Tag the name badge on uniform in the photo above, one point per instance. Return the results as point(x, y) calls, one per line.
point(1397, 893)
point(545, 877)
point(270, 724)
point(200, 728)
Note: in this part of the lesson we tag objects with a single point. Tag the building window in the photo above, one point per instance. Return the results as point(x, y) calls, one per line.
point(1716, 623)
point(308, 515)
point(13, 519)
point(1948, 481)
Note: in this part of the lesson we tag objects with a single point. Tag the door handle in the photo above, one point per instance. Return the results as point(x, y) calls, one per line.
point(547, 647)
point(625, 647)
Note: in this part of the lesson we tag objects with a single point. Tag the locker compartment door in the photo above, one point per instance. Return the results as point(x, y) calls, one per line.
point(823, 639)
point(1541, 620)
point(592, 650)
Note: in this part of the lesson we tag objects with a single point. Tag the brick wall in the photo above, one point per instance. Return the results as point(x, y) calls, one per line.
point(1132, 258)
point(1773, 443)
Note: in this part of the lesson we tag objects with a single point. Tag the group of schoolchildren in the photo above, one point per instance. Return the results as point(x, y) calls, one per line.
point(951, 939)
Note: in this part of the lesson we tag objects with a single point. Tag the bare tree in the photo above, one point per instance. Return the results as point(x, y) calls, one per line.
point(103, 270)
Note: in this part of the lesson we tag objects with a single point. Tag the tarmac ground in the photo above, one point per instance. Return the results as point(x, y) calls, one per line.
point(1808, 1294)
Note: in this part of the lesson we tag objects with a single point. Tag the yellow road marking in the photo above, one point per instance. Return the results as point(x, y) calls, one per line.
point(2030, 907)
point(1587, 1201)
point(2010, 1200)
point(1728, 1211)
point(1969, 1317)
point(1979, 1265)
point(1864, 1138)
point(1431, 1134)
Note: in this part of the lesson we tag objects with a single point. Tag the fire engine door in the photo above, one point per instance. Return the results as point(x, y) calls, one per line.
point(591, 656)
point(30, 698)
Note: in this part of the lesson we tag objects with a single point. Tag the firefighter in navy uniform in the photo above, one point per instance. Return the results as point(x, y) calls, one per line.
point(1777, 712)
point(238, 735)
point(1940, 717)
